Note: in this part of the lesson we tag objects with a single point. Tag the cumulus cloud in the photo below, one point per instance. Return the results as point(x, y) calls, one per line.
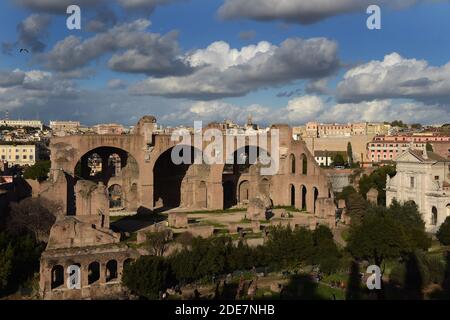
point(136, 50)
point(33, 88)
point(302, 109)
point(308, 108)
point(11, 79)
point(148, 5)
point(115, 84)
point(386, 110)
point(225, 72)
point(300, 11)
point(396, 77)
point(319, 86)
point(209, 111)
point(55, 6)
point(104, 19)
point(31, 31)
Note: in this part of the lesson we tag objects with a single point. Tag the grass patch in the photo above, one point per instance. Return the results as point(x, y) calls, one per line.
point(216, 211)
point(289, 208)
point(213, 223)
point(345, 234)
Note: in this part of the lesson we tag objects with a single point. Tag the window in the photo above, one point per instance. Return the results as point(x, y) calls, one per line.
point(17, 157)
point(411, 182)
point(436, 177)
point(24, 156)
point(31, 157)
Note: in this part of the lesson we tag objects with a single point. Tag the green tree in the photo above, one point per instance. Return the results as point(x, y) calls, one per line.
point(346, 192)
point(286, 246)
point(6, 261)
point(377, 179)
point(157, 242)
point(386, 233)
point(398, 123)
point(356, 207)
point(19, 261)
point(39, 171)
point(350, 153)
point(148, 276)
point(326, 254)
point(443, 233)
point(338, 160)
point(429, 147)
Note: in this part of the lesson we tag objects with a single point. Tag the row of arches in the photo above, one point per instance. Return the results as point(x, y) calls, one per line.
point(304, 197)
point(94, 270)
point(293, 166)
point(171, 182)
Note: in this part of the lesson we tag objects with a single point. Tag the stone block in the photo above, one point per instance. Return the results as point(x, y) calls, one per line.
point(201, 231)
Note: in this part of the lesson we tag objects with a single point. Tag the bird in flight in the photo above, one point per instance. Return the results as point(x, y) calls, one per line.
point(24, 50)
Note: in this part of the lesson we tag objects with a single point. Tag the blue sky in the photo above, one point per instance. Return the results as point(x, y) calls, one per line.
point(333, 69)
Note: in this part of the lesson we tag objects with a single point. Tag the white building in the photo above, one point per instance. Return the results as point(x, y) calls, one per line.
point(22, 155)
point(422, 177)
point(65, 126)
point(21, 123)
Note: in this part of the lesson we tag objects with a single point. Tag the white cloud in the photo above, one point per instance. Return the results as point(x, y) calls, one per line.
point(117, 84)
point(136, 51)
point(34, 88)
point(300, 11)
point(148, 5)
point(225, 72)
point(209, 111)
point(302, 109)
point(221, 56)
point(396, 77)
point(308, 108)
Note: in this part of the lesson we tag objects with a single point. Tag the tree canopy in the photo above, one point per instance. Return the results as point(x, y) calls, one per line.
point(148, 276)
point(377, 179)
point(443, 233)
point(388, 233)
point(39, 171)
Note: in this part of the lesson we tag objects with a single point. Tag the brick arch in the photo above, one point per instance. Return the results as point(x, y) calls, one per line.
point(67, 151)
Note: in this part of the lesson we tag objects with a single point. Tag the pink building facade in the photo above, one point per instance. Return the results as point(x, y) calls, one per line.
point(387, 148)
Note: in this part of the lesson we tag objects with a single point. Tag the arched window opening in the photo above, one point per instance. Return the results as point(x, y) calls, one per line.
point(57, 275)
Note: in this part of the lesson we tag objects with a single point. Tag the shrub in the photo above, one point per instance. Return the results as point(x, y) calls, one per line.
point(443, 233)
point(148, 276)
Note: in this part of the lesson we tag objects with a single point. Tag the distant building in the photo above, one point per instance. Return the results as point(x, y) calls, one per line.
point(21, 123)
point(65, 126)
point(422, 177)
point(385, 148)
point(110, 128)
point(18, 154)
point(324, 130)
